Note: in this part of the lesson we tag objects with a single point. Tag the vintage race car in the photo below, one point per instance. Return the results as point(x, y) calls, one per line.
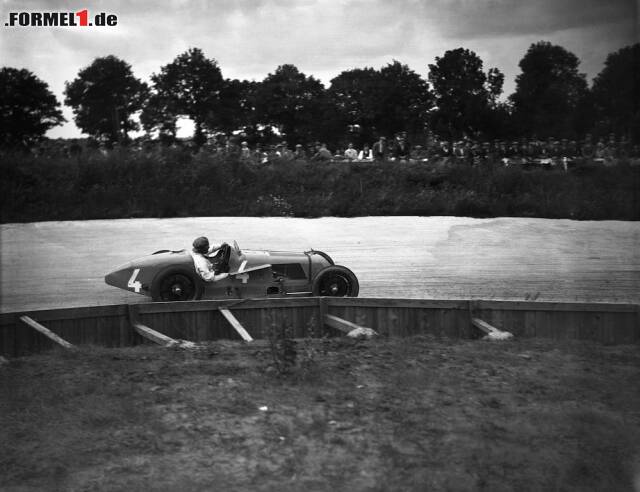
point(171, 276)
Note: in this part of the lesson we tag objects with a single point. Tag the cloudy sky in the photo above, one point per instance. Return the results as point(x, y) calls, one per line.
point(250, 38)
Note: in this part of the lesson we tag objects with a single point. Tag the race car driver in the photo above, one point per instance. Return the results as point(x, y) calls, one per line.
point(210, 271)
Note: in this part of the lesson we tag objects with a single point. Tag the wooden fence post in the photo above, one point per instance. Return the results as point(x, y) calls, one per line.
point(46, 332)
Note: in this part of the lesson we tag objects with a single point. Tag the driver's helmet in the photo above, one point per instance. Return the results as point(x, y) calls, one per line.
point(201, 245)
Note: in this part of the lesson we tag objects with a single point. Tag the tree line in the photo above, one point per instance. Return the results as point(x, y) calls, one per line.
point(458, 99)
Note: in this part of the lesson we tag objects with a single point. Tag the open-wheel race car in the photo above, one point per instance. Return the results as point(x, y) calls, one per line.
point(171, 275)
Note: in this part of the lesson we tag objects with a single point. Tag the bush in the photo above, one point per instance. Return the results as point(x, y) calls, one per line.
point(174, 182)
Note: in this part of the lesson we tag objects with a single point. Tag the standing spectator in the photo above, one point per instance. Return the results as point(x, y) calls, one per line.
point(401, 147)
point(529, 151)
point(554, 151)
point(543, 153)
point(459, 151)
point(273, 153)
point(445, 150)
point(351, 154)
point(572, 149)
point(365, 154)
point(588, 150)
point(564, 148)
point(299, 153)
point(418, 154)
point(322, 154)
point(511, 151)
point(501, 150)
point(611, 150)
point(534, 151)
point(599, 152)
point(475, 153)
point(285, 152)
point(260, 156)
point(233, 141)
point(380, 150)
point(624, 149)
point(245, 152)
point(485, 150)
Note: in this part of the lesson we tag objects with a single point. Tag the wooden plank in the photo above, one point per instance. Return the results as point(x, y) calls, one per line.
point(7, 319)
point(449, 323)
point(461, 321)
point(543, 325)
point(392, 322)
point(340, 324)
point(322, 312)
point(556, 306)
point(120, 309)
point(396, 303)
point(46, 332)
point(530, 324)
point(10, 342)
point(484, 326)
point(213, 305)
point(236, 325)
point(69, 313)
point(132, 313)
point(153, 335)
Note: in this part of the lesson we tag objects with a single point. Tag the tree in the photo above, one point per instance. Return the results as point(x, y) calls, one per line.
point(291, 102)
point(548, 91)
point(156, 116)
point(104, 96)
point(616, 93)
point(384, 101)
point(236, 109)
point(27, 108)
point(405, 100)
point(495, 80)
point(465, 95)
point(189, 86)
point(354, 94)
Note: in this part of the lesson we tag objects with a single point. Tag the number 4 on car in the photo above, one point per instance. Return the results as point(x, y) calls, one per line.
point(171, 276)
point(133, 283)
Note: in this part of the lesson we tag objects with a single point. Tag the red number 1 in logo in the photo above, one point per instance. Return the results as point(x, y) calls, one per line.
point(83, 15)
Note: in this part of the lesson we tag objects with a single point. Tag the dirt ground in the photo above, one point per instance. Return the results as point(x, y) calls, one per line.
point(50, 265)
point(418, 413)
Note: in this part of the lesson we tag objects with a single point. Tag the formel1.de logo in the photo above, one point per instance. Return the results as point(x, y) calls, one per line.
point(61, 19)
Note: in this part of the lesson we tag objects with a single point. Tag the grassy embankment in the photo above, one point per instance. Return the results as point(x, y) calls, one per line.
point(391, 414)
point(175, 183)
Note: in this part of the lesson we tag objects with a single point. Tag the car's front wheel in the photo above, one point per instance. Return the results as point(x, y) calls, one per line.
point(335, 281)
point(176, 284)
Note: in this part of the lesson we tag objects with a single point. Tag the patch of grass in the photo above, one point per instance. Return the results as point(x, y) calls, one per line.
point(410, 414)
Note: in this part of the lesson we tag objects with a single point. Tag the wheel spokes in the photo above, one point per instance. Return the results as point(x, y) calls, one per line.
point(177, 288)
point(336, 286)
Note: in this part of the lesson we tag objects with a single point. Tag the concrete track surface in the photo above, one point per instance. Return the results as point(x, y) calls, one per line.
point(62, 264)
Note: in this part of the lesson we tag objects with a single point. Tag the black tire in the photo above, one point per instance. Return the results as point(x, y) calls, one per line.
point(335, 281)
point(176, 284)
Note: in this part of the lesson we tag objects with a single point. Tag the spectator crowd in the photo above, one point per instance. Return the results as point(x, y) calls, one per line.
point(524, 151)
point(521, 152)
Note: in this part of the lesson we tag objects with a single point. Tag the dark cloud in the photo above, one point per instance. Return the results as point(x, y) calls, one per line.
point(495, 18)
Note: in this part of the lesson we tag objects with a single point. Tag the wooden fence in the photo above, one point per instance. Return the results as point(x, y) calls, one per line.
point(111, 326)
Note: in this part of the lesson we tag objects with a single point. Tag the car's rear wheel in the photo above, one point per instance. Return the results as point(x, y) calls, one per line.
point(176, 284)
point(335, 281)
